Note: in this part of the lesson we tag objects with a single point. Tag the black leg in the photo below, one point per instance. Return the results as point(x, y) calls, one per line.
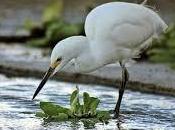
point(125, 78)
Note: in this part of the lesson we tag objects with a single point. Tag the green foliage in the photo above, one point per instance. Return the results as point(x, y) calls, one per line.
point(60, 117)
point(41, 114)
point(93, 105)
point(74, 103)
point(53, 11)
point(86, 99)
point(101, 115)
point(28, 24)
point(86, 113)
point(163, 50)
point(53, 28)
point(60, 30)
point(38, 42)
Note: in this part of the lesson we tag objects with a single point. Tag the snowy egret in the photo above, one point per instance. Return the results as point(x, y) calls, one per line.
point(115, 32)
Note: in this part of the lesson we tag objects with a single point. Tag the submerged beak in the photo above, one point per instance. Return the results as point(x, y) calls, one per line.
point(44, 80)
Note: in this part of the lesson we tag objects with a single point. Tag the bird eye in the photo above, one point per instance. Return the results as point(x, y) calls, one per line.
point(59, 59)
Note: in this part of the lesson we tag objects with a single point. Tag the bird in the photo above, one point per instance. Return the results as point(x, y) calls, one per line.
point(115, 32)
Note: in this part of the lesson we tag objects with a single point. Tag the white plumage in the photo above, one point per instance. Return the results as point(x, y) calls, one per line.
point(115, 32)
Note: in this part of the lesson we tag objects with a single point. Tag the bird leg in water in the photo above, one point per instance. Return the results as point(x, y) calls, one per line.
point(125, 78)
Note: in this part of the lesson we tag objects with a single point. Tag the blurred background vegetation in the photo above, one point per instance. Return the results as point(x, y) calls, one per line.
point(53, 27)
point(163, 50)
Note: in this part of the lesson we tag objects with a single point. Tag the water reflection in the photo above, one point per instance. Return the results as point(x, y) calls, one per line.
point(139, 110)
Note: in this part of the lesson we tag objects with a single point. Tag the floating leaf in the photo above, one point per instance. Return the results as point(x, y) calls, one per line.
point(87, 112)
point(89, 123)
point(79, 111)
point(103, 115)
point(61, 109)
point(61, 117)
point(40, 114)
point(49, 108)
point(74, 101)
point(93, 105)
point(86, 100)
point(73, 96)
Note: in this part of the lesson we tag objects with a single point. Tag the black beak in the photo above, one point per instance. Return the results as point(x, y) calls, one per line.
point(44, 80)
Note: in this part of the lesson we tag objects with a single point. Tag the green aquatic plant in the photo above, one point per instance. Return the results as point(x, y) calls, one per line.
point(86, 112)
point(163, 50)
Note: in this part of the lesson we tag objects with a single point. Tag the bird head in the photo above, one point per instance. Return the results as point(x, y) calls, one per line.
point(62, 53)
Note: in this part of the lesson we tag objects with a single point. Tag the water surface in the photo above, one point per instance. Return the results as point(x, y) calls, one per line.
point(139, 110)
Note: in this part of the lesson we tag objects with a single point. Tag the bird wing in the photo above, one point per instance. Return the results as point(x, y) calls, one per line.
point(130, 35)
point(120, 24)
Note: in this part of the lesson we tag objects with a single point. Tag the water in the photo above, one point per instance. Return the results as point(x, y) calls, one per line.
point(139, 110)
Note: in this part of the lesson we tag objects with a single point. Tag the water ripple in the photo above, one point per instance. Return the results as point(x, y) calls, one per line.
point(139, 110)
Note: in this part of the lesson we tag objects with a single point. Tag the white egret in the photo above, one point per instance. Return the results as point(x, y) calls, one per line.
point(115, 32)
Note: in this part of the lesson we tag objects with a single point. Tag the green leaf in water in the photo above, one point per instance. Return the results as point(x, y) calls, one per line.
point(89, 123)
point(103, 115)
point(74, 101)
point(49, 108)
point(79, 111)
point(87, 112)
point(93, 105)
point(86, 100)
point(61, 117)
point(73, 96)
point(40, 114)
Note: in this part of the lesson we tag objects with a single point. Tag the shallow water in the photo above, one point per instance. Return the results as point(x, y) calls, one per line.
point(139, 110)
